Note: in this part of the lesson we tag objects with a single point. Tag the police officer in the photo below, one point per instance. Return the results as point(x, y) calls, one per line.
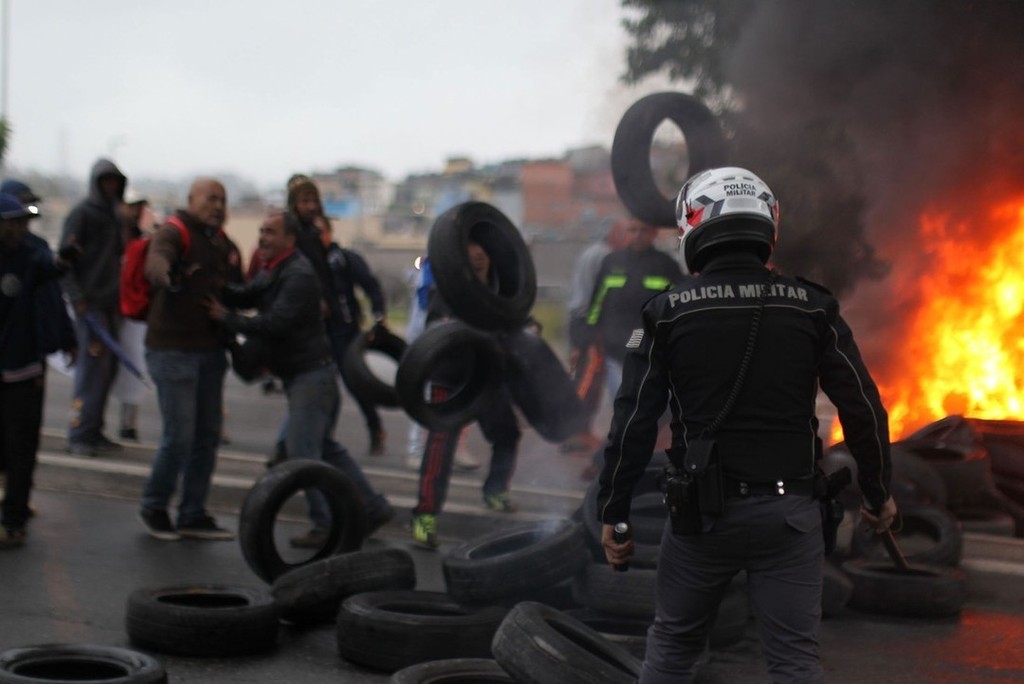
point(687, 353)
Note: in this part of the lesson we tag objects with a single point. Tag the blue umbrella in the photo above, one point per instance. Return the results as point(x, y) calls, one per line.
point(114, 346)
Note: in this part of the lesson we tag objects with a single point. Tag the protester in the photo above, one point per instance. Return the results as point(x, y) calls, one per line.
point(33, 324)
point(497, 422)
point(289, 324)
point(186, 358)
point(740, 370)
point(92, 287)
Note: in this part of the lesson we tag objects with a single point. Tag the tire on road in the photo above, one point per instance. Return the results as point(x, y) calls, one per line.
point(204, 620)
point(509, 562)
point(503, 307)
point(391, 630)
point(313, 593)
point(629, 633)
point(269, 493)
point(541, 387)
point(631, 151)
point(478, 360)
point(540, 645)
point(625, 594)
point(79, 663)
point(362, 381)
point(458, 670)
point(921, 591)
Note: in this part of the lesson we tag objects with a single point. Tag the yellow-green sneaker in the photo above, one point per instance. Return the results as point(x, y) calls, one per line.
point(424, 529)
point(499, 502)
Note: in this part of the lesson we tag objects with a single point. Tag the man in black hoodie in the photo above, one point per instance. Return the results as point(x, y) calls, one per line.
point(92, 287)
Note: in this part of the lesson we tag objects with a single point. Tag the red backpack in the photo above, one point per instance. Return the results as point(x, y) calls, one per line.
point(135, 289)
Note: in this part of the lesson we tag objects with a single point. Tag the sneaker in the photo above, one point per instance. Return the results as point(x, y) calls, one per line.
point(314, 539)
point(379, 518)
point(424, 530)
point(11, 537)
point(204, 528)
point(377, 443)
point(129, 433)
point(465, 460)
point(106, 446)
point(499, 502)
point(81, 449)
point(158, 524)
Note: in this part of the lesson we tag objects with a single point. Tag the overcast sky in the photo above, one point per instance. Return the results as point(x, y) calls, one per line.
point(172, 88)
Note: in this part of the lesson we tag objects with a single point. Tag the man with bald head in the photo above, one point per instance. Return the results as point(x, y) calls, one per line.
point(185, 355)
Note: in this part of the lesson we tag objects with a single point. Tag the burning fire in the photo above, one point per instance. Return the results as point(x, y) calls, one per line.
point(963, 349)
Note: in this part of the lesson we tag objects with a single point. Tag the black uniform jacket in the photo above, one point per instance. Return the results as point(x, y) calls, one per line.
point(687, 353)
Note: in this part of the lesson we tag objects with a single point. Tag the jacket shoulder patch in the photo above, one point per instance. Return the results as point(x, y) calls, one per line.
point(635, 339)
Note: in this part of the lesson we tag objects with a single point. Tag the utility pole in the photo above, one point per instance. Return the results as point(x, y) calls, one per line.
point(6, 51)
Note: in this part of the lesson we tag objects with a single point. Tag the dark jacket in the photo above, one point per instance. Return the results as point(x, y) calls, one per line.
point(288, 319)
point(178, 317)
point(307, 241)
point(686, 354)
point(626, 280)
point(33, 320)
point(95, 227)
point(348, 271)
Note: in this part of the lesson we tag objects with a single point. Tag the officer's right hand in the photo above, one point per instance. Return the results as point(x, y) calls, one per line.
point(616, 553)
point(882, 519)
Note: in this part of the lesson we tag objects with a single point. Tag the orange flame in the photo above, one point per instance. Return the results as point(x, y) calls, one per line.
point(963, 350)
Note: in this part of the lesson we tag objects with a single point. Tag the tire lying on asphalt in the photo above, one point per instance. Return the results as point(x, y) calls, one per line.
point(625, 594)
point(540, 645)
point(631, 151)
point(928, 535)
point(629, 633)
point(79, 663)
point(391, 630)
point(362, 381)
point(474, 358)
point(541, 387)
point(504, 306)
point(920, 591)
point(269, 493)
point(208, 620)
point(313, 593)
point(458, 670)
point(511, 561)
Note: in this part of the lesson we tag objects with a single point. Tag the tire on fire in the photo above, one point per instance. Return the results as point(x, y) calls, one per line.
point(472, 358)
point(541, 645)
point(391, 630)
point(503, 307)
point(269, 494)
point(631, 151)
point(541, 387)
point(82, 662)
point(206, 620)
point(313, 593)
point(362, 381)
point(510, 562)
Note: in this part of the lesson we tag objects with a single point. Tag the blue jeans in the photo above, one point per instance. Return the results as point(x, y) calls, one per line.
point(93, 377)
point(190, 394)
point(313, 405)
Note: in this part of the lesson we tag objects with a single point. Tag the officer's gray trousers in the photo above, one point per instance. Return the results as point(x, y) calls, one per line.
point(778, 541)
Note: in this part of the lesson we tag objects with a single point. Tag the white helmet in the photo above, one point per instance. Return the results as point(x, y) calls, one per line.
point(727, 204)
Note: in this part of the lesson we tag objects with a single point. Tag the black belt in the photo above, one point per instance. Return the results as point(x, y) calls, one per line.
point(741, 489)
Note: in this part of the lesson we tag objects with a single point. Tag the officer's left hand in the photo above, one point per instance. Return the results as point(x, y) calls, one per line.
point(616, 553)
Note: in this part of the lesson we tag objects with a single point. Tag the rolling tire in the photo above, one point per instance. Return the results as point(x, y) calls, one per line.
point(541, 387)
point(205, 620)
point(79, 663)
point(631, 148)
point(512, 561)
point(464, 670)
point(391, 630)
point(480, 362)
point(359, 379)
point(269, 493)
point(928, 535)
point(313, 593)
point(540, 645)
point(921, 591)
point(502, 308)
